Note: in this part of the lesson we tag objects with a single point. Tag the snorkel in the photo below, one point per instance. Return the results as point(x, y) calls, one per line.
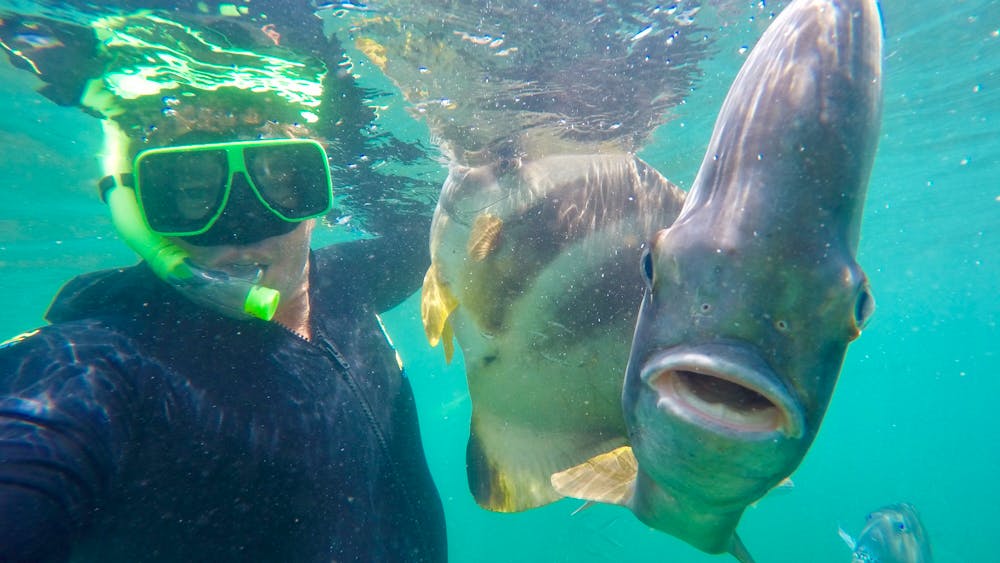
point(233, 296)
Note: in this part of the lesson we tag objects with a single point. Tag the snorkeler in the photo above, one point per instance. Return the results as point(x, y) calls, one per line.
point(234, 395)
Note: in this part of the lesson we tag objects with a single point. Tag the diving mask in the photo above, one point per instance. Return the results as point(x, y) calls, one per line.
point(232, 193)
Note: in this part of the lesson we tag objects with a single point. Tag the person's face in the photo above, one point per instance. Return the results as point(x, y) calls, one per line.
point(282, 260)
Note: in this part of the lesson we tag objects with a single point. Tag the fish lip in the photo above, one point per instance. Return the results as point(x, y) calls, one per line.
point(674, 375)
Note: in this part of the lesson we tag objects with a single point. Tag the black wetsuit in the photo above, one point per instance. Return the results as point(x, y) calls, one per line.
point(142, 427)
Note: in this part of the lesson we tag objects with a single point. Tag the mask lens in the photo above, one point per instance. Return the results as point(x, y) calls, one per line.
point(293, 179)
point(181, 192)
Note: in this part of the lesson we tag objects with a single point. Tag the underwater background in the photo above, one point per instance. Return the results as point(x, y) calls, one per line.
point(913, 417)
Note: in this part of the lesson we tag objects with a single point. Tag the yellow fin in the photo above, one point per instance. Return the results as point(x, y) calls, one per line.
point(436, 305)
point(607, 478)
point(484, 237)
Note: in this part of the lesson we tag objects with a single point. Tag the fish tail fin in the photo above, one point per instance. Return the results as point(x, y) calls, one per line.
point(436, 305)
point(608, 478)
point(739, 551)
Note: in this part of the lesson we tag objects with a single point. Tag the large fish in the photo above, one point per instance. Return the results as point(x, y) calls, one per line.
point(754, 292)
point(533, 271)
point(892, 534)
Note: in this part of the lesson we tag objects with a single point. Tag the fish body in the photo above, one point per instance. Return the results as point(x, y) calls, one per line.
point(892, 534)
point(754, 292)
point(533, 272)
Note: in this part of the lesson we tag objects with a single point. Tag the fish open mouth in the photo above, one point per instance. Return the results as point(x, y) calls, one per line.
point(725, 389)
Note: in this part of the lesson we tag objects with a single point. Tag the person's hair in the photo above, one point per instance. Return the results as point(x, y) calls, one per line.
point(237, 118)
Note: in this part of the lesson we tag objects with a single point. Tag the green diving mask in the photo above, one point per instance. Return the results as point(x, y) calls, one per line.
point(232, 193)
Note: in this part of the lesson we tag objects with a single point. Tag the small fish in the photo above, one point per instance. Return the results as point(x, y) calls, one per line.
point(892, 534)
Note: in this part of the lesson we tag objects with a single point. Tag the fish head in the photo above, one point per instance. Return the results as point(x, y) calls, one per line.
point(893, 533)
point(754, 293)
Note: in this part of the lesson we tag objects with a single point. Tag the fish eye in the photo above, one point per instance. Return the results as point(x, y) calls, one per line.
point(864, 307)
point(647, 267)
point(901, 527)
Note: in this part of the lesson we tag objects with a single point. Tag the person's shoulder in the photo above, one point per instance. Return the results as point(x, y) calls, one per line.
point(333, 255)
point(335, 267)
point(105, 292)
point(69, 336)
point(71, 358)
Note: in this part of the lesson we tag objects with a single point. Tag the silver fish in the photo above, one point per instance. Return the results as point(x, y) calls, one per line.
point(892, 534)
point(754, 292)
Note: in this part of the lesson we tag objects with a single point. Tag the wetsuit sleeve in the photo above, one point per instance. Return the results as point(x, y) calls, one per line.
point(62, 403)
point(388, 269)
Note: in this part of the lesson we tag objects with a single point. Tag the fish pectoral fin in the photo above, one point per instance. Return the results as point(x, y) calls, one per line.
point(448, 338)
point(436, 305)
point(739, 551)
point(607, 478)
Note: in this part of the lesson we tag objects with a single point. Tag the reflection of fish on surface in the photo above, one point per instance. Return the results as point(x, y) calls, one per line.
point(585, 75)
point(892, 534)
point(533, 268)
point(754, 292)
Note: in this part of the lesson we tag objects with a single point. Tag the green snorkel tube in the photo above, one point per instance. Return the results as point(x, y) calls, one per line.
point(233, 296)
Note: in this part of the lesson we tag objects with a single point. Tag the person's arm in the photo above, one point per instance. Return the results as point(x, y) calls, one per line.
point(391, 267)
point(62, 405)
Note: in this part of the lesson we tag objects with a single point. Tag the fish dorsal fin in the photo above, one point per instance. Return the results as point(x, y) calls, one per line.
point(436, 304)
point(607, 478)
point(851, 544)
point(484, 238)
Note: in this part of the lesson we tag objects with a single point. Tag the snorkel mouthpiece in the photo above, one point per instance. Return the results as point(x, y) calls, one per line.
point(261, 302)
point(235, 297)
point(232, 296)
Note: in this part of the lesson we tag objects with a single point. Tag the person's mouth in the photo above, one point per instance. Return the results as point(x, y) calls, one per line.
point(251, 271)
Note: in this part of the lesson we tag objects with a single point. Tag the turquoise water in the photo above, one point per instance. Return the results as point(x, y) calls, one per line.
point(912, 417)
